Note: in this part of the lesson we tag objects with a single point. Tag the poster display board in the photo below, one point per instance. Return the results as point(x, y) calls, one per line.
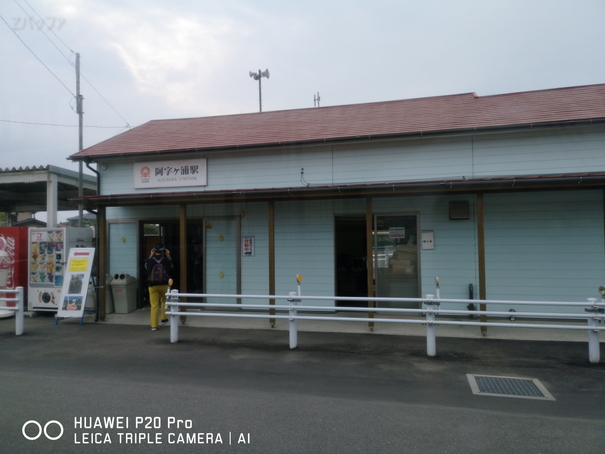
point(48, 252)
point(75, 282)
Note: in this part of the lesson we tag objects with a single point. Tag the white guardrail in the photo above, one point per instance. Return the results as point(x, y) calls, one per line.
point(18, 309)
point(594, 313)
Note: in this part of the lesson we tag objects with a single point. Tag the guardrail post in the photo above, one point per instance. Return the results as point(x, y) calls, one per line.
point(594, 349)
point(293, 328)
point(20, 313)
point(174, 319)
point(431, 341)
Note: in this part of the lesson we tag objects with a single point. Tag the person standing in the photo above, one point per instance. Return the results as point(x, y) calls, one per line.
point(158, 267)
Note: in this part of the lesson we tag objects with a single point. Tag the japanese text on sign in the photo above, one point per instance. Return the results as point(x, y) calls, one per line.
point(166, 174)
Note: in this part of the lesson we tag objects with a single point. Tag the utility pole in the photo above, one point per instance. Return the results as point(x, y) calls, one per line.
point(79, 102)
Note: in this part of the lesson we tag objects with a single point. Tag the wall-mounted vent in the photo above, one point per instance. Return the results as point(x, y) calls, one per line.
point(459, 210)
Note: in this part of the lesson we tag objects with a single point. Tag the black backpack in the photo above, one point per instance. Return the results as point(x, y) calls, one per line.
point(158, 274)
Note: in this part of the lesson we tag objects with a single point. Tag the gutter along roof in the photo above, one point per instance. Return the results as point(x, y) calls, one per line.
point(500, 184)
point(454, 113)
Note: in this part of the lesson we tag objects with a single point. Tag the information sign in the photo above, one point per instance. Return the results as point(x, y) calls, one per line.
point(75, 283)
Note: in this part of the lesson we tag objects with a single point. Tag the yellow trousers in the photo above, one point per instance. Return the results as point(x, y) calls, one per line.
point(157, 298)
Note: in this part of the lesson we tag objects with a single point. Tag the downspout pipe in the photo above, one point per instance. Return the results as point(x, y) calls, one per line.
point(95, 171)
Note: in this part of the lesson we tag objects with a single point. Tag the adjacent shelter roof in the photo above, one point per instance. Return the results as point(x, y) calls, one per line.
point(24, 189)
point(462, 112)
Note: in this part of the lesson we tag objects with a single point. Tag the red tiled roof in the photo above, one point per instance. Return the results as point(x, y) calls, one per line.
point(422, 115)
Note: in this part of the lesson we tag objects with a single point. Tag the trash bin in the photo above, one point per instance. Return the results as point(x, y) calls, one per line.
point(124, 290)
point(108, 294)
point(91, 298)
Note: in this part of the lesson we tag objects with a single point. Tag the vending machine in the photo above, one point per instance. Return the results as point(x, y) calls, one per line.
point(13, 261)
point(48, 252)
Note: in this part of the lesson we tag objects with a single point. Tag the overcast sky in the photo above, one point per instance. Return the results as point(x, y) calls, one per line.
point(153, 59)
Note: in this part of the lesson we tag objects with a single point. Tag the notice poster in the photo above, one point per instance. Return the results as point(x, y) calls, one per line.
point(397, 232)
point(75, 283)
point(247, 246)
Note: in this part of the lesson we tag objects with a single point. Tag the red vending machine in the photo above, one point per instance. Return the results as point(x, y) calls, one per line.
point(14, 258)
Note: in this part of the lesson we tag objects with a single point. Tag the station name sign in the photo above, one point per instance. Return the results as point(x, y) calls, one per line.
point(171, 174)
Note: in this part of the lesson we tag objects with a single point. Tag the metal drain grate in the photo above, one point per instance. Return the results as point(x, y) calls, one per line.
point(524, 388)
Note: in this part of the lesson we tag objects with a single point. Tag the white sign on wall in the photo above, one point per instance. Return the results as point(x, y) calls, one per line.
point(171, 174)
point(428, 239)
point(248, 245)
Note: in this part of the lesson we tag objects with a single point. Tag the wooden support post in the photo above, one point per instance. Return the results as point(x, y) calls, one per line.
point(183, 257)
point(271, 221)
point(481, 259)
point(102, 251)
point(370, 257)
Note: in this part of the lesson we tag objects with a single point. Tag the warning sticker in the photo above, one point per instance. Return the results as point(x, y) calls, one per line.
point(78, 265)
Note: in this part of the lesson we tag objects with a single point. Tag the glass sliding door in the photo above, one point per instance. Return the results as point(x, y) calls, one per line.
point(395, 251)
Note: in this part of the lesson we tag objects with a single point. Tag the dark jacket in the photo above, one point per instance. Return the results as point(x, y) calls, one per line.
point(151, 262)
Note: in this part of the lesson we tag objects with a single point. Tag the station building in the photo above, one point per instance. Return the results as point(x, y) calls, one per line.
point(500, 196)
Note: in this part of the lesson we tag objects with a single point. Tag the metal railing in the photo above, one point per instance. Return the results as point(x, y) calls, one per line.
point(594, 313)
point(18, 309)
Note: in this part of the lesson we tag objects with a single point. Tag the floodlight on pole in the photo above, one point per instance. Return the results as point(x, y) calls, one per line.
point(258, 76)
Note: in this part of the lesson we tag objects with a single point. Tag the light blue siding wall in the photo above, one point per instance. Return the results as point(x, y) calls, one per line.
point(221, 259)
point(546, 152)
point(425, 159)
point(255, 270)
point(123, 248)
point(304, 244)
point(349, 206)
point(143, 212)
point(267, 169)
point(117, 178)
point(544, 246)
point(215, 210)
point(471, 156)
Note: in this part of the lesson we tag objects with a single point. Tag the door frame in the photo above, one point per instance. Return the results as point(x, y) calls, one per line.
point(373, 244)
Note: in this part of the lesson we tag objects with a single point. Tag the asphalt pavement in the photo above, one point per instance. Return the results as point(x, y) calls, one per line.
point(106, 387)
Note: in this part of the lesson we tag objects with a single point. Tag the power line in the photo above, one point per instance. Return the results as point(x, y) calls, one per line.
point(63, 126)
point(64, 56)
point(40, 28)
point(107, 102)
point(23, 42)
point(57, 36)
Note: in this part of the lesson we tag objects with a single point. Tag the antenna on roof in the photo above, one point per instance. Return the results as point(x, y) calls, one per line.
point(316, 99)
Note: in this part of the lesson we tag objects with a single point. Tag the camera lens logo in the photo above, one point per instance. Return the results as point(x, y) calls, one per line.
point(42, 430)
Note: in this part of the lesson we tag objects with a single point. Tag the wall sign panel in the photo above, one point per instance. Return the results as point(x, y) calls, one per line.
point(170, 174)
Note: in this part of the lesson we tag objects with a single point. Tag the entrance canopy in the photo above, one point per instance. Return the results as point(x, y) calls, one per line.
point(42, 188)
